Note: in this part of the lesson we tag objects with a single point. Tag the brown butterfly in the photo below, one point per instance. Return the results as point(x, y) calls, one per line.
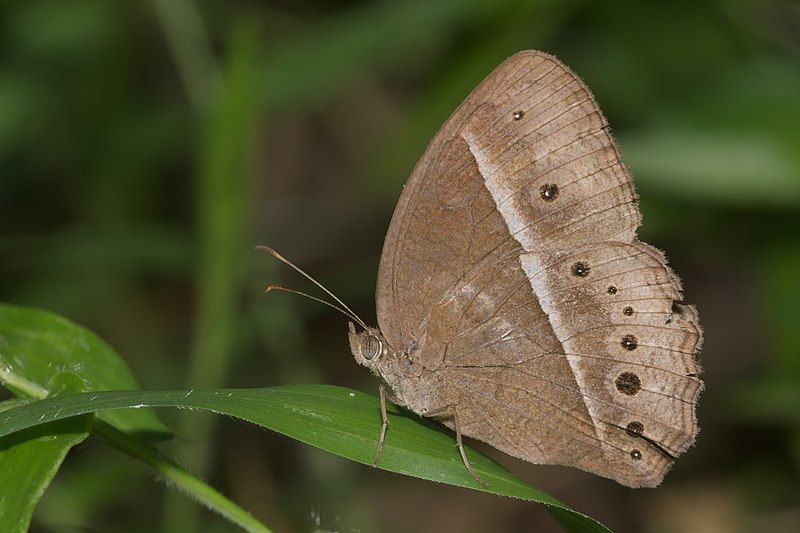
point(515, 303)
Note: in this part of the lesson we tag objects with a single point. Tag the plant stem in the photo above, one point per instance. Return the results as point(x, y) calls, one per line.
point(178, 477)
point(222, 210)
point(18, 384)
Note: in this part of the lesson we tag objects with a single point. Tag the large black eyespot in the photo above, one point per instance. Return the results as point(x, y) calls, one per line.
point(372, 347)
point(628, 383)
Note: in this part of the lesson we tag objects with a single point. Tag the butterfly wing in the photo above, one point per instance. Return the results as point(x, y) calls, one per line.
point(512, 265)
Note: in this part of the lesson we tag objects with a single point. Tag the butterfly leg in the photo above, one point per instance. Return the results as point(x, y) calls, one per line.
point(385, 425)
point(460, 445)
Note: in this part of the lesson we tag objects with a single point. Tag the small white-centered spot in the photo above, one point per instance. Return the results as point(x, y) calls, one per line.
point(352, 395)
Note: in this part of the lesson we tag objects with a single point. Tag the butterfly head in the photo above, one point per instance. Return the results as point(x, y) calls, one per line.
point(368, 346)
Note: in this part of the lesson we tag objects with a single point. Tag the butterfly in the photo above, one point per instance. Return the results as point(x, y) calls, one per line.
point(515, 303)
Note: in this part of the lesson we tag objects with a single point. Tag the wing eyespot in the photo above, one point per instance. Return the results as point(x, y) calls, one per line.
point(629, 342)
point(634, 429)
point(628, 383)
point(548, 192)
point(581, 269)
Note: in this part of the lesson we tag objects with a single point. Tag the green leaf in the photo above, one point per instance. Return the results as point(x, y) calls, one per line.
point(335, 419)
point(29, 459)
point(36, 345)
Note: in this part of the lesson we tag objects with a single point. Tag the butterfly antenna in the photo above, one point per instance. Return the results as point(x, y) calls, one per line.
point(349, 312)
point(320, 300)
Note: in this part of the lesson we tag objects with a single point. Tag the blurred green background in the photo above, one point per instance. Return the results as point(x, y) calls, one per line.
point(147, 146)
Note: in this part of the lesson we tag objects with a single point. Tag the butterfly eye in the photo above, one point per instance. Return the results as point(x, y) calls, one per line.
point(371, 347)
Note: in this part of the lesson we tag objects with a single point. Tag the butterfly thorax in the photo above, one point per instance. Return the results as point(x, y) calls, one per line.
point(411, 385)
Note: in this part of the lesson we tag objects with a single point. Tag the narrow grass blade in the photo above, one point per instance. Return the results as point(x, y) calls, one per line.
point(335, 419)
